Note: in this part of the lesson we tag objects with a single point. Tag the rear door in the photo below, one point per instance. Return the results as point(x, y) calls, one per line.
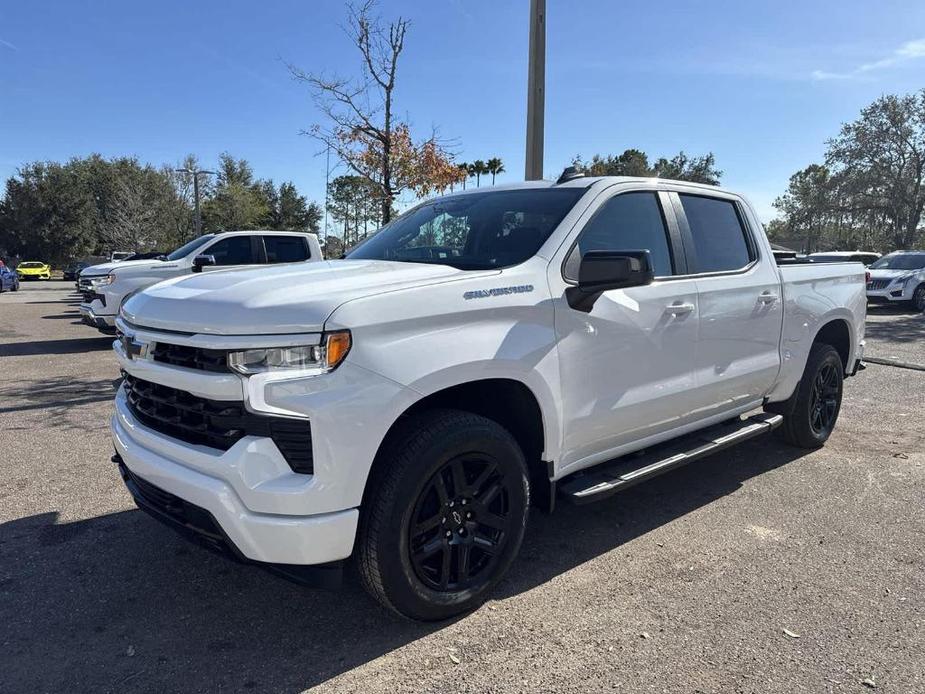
point(626, 366)
point(284, 248)
point(740, 307)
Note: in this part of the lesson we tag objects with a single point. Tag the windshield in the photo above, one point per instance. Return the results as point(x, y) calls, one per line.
point(900, 261)
point(28, 265)
point(473, 231)
point(188, 248)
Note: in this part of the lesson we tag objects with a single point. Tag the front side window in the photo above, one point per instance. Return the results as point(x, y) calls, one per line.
point(473, 231)
point(627, 222)
point(285, 249)
point(234, 250)
point(187, 248)
point(719, 236)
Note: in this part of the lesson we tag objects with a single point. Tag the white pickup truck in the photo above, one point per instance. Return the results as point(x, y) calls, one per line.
point(104, 287)
point(484, 351)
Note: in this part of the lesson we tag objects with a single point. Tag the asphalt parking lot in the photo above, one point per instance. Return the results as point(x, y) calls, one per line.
point(767, 569)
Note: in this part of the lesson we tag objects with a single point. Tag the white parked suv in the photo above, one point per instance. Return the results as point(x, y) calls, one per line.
point(898, 278)
point(483, 351)
point(104, 287)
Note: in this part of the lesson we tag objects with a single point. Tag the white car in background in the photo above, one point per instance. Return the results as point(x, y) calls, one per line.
point(898, 278)
point(104, 287)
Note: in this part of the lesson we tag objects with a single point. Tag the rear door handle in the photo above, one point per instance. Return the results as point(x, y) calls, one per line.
point(679, 309)
point(768, 297)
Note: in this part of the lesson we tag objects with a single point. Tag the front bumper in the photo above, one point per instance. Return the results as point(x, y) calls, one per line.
point(103, 323)
point(252, 496)
point(890, 293)
point(200, 526)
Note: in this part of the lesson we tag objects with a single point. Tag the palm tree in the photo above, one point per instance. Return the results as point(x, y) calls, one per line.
point(464, 167)
point(477, 169)
point(495, 166)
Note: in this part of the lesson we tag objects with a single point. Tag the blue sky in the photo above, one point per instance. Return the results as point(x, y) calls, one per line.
point(762, 85)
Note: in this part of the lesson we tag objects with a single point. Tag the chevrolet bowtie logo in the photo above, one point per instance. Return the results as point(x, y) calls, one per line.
point(132, 348)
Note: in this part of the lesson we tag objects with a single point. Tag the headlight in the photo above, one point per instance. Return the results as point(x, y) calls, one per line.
point(312, 359)
point(102, 281)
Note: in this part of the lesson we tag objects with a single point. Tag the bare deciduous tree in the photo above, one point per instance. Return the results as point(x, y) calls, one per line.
point(360, 111)
point(133, 222)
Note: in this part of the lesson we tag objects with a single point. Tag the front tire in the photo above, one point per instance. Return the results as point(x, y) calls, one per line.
point(918, 298)
point(812, 411)
point(445, 515)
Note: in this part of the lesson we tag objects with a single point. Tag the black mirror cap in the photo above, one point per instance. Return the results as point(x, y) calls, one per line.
point(601, 271)
point(200, 261)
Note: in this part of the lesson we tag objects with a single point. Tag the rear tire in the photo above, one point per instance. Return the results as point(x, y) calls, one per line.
point(811, 412)
point(445, 515)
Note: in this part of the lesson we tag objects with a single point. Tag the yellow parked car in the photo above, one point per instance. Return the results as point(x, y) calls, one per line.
point(33, 270)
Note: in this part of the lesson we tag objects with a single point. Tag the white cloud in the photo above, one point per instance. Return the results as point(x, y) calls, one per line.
point(8, 45)
point(911, 50)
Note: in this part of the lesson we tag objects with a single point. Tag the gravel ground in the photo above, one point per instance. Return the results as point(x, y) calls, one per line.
point(767, 569)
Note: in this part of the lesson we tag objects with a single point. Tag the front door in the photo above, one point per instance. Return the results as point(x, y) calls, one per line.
point(232, 251)
point(626, 366)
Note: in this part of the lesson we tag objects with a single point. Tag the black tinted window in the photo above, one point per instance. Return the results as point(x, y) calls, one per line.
point(235, 250)
point(628, 222)
point(285, 249)
point(719, 239)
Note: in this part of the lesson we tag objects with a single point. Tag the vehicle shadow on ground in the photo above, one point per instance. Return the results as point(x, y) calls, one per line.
point(79, 346)
point(63, 316)
point(61, 302)
point(903, 328)
point(57, 395)
point(120, 603)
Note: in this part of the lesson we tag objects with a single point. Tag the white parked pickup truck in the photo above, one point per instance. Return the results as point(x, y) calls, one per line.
point(104, 287)
point(484, 351)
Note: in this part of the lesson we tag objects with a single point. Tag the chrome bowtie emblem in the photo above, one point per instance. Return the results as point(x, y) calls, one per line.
point(457, 518)
point(132, 348)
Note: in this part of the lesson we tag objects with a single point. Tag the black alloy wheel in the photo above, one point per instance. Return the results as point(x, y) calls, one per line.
point(825, 399)
point(460, 523)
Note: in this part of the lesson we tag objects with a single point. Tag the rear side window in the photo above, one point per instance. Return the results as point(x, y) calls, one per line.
point(234, 250)
point(285, 249)
point(720, 243)
point(628, 222)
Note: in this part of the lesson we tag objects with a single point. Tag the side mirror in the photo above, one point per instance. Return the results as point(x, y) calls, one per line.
point(601, 271)
point(200, 261)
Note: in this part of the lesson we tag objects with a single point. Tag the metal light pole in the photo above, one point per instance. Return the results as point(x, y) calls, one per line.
point(197, 220)
point(327, 183)
point(536, 90)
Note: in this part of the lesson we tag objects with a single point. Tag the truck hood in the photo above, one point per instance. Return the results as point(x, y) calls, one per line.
point(129, 265)
point(274, 300)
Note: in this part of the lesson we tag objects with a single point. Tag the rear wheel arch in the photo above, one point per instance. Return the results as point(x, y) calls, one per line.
point(837, 334)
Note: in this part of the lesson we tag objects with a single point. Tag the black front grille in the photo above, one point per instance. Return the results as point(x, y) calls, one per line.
point(191, 357)
point(215, 423)
point(89, 296)
point(878, 284)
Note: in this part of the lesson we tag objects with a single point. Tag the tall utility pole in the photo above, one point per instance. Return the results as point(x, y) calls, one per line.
point(327, 185)
point(197, 219)
point(536, 90)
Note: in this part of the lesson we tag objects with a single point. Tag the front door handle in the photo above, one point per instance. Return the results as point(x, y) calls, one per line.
point(679, 308)
point(767, 297)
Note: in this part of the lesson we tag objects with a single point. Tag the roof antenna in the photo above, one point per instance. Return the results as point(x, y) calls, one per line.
point(570, 173)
